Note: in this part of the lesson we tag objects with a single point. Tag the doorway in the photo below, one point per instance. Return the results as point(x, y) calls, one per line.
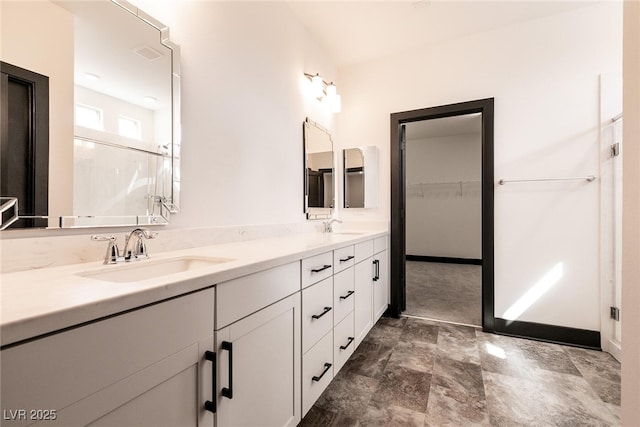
point(444, 219)
point(483, 109)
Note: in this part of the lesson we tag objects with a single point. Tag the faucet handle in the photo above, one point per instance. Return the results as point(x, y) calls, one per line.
point(113, 253)
point(146, 233)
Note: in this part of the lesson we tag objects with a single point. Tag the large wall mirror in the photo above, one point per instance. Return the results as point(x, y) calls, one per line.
point(318, 171)
point(126, 109)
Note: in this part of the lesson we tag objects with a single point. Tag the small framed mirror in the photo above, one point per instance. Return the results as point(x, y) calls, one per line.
point(360, 177)
point(319, 194)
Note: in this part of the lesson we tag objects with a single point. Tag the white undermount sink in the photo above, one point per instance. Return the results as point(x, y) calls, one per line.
point(143, 270)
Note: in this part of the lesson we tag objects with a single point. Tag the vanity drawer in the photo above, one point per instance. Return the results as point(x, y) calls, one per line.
point(317, 312)
point(363, 250)
point(240, 297)
point(317, 371)
point(317, 268)
point(344, 342)
point(343, 294)
point(380, 244)
point(343, 258)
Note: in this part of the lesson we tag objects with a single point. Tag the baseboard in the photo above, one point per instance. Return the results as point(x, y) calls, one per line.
point(549, 333)
point(446, 260)
point(615, 349)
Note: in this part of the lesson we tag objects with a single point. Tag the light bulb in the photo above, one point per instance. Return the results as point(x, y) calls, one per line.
point(317, 86)
point(336, 104)
point(331, 90)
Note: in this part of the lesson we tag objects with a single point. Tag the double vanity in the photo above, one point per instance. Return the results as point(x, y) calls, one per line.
point(245, 333)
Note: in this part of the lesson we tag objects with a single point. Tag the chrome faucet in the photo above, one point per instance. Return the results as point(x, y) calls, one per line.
point(139, 250)
point(328, 225)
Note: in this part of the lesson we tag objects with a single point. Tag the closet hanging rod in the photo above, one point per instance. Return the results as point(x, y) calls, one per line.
point(616, 118)
point(588, 178)
point(445, 183)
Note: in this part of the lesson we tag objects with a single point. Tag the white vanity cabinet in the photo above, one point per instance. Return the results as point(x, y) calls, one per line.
point(364, 271)
point(145, 367)
point(258, 349)
point(317, 326)
point(371, 284)
point(381, 287)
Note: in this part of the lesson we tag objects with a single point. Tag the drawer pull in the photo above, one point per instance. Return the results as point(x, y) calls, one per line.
point(210, 405)
point(344, 347)
point(347, 295)
point(327, 366)
point(228, 392)
point(317, 316)
point(350, 257)
point(318, 270)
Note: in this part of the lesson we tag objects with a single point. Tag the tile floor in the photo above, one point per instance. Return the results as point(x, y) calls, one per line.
point(416, 372)
point(450, 292)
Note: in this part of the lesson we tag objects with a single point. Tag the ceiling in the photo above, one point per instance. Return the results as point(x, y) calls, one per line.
point(352, 32)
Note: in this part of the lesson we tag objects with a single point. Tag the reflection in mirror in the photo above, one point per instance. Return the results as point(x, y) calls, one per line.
point(318, 171)
point(126, 135)
point(353, 178)
point(123, 106)
point(360, 172)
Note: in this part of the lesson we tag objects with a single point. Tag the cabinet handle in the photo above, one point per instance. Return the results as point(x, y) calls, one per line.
point(228, 392)
point(317, 316)
point(344, 347)
point(376, 265)
point(347, 295)
point(327, 366)
point(318, 270)
point(210, 405)
point(347, 258)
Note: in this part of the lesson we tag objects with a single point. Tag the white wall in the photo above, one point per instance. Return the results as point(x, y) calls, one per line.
point(631, 219)
point(543, 75)
point(47, 29)
point(444, 220)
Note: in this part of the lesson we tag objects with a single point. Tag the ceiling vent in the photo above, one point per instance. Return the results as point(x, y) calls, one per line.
point(147, 52)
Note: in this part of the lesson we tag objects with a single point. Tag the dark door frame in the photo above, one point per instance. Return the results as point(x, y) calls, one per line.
point(36, 202)
point(398, 201)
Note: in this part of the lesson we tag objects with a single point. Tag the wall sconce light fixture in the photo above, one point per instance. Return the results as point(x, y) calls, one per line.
point(321, 90)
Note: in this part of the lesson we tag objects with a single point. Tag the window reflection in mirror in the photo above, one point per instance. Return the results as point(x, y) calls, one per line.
point(319, 176)
point(115, 109)
point(118, 163)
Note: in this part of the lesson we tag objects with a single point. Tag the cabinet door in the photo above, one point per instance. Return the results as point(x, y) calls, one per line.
point(381, 285)
point(363, 309)
point(144, 367)
point(260, 370)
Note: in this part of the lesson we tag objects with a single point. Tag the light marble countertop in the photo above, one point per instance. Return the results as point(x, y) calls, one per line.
point(40, 301)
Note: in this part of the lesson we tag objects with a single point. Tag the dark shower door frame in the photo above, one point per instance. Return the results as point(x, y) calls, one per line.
point(398, 201)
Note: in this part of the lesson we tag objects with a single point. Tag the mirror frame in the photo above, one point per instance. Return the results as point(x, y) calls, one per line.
point(314, 212)
point(167, 206)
